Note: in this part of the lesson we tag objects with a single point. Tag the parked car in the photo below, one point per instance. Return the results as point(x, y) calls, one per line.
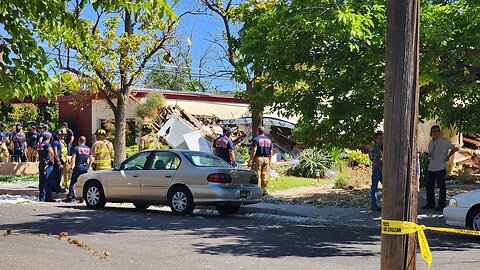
point(463, 210)
point(181, 179)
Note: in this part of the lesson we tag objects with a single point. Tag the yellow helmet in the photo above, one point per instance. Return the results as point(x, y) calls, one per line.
point(101, 132)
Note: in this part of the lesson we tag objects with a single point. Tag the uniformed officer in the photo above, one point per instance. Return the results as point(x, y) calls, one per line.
point(45, 169)
point(57, 164)
point(82, 160)
point(261, 155)
point(66, 164)
point(19, 143)
point(3, 143)
point(69, 137)
point(149, 140)
point(223, 147)
point(102, 151)
point(32, 143)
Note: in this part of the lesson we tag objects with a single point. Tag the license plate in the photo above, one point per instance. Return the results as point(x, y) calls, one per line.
point(244, 194)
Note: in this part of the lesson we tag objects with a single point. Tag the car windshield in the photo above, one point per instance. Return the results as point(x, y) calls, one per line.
point(200, 159)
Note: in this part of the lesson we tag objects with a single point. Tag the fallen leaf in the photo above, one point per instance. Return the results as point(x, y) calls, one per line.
point(107, 253)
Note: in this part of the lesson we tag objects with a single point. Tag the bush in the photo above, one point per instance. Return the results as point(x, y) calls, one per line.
point(241, 153)
point(339, 159)
point(342, 181)
point(313, 160)
point(151, 107)
point(466, 178)
point(356, 157)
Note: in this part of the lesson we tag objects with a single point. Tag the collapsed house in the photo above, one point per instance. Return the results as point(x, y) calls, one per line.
point(181, 130)
point(467, 158)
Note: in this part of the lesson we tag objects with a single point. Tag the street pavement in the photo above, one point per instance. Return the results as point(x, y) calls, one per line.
point(156, 239)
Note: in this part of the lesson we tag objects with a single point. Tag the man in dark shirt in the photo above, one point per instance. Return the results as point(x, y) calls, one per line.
point(57, 164)
point(223, 147)
point(45, 168)
point(32, 144)
point(261, 155)
point(44, 132)
point(376, 156)
point(81, 161)
point(69, 137)
point(19, 143)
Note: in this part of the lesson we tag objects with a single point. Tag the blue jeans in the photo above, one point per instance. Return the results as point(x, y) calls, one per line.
point(376, 177)
point(17, 155)
point(69, 149)
point(45, 181)
point(77, 171)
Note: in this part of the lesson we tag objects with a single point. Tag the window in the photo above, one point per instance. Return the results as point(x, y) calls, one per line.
point(136, 162)
point(165, 161)
point(202, 159)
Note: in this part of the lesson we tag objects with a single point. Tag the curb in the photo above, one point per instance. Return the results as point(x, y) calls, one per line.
point(272, 211)
point(29, 192)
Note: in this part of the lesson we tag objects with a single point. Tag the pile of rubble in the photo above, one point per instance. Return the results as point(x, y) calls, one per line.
point(468, 157)
point(181, 130)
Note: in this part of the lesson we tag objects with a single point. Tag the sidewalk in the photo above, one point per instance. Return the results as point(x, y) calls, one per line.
point(25, 189)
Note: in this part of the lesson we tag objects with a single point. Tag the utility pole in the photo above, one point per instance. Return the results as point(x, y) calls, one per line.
point(400, 136)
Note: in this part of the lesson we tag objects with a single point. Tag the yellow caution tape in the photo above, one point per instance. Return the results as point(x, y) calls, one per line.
point(397, 227)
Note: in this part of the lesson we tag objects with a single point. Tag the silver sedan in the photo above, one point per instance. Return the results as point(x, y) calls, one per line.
point(179, 178)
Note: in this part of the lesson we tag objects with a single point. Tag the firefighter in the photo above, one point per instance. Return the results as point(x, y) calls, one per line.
point(3, 143)
point(149, 140)
point(102, 151)
point(66, 165)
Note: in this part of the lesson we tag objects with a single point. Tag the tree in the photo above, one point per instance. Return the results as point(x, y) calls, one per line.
point(241, 68)
point(22, 61)
point(111, 51)
point(324, 61)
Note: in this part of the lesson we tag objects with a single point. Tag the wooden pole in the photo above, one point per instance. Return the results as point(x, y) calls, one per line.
point(400, 137)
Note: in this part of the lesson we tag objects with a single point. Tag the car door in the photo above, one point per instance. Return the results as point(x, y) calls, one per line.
point(159, 175)
point(125, 183)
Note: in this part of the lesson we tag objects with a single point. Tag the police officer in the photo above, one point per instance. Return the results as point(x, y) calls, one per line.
point(149, 140)
point(69, 137)
point(32, 144)
point(45, 169)
point(81, 161)
point(57, 163)
point(261, 155)
point(19, 143)
point(102, 151)
point(223, 147)
point(3, 143)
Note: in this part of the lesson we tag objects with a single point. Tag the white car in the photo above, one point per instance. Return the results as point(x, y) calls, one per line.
point(463, 210)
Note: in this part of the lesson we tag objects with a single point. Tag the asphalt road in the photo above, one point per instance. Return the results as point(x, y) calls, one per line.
point(155, 239)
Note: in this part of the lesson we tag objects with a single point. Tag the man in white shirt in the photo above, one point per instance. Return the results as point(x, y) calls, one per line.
point(440, 150)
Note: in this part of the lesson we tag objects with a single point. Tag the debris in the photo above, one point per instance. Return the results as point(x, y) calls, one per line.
point(62, 235)
point(107, 253)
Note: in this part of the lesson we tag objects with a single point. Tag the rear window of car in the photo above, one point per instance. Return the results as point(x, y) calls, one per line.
point(206, 160)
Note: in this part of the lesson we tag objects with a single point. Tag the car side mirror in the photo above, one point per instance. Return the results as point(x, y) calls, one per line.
point(116, 167)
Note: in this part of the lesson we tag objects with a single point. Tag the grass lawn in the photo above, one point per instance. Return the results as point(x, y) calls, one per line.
point(287, 182)
point(18, 178)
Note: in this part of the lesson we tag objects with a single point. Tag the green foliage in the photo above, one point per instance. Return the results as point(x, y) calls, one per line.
point(339, 158)
point(343, 181)
point(241, 153)
point(466, 177)
point(131, 150)
point(23, 113)
point(357, 157)
point(313, 160)
point(424, 162)
point(18, 178)
point(151, 106)
point(48, 114)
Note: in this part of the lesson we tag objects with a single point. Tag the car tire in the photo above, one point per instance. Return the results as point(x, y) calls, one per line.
point(141, 206)
point(180, 200)
point(227, 210)
point(94, 196)
point(474, 219)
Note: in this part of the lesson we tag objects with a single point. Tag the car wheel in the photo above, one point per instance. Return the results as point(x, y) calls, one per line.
point(474, 219)
point(226, 210)
point(141, 206)
point(180, 200)
point(94, 196)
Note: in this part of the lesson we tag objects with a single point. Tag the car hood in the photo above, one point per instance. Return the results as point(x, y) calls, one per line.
point(468, 198)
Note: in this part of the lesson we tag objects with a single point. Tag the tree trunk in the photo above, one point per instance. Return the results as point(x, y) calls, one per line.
point(120, 129)
point(255, 109)
point(400, 139)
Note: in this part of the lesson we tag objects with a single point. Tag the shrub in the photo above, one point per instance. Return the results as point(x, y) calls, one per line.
point(342, 181)
point(356, 157)
point(339, 159)
point(151, 107)
point(465, 177)
point(241, 153)
point(313, 160)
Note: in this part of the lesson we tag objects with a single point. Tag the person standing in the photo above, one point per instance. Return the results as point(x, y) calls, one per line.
point(440, 149)
point(223, 147)
point(3, 143)
point(45, 132)
point(149, 140)
point(82, 160)
point(69, 137)
point(261, 157)
point(102, 151)
point(66, 165)
point(376, 156)
point(19, 144)
point(57, 163)
point(45, 169)
point(32, 144)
